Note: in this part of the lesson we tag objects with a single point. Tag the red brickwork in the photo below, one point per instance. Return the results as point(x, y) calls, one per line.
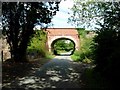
point(57, 33)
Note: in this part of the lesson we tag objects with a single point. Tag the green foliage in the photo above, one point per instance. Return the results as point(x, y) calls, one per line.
point(63, 45)
point(76, 56)
point(85, 52)
point(82, 32)
point(106, 46)
point(18, 21)
point(107, 43)
point(85, 12)
point(37, 45)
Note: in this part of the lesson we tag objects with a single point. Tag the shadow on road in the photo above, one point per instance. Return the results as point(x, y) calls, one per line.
point(60, 72)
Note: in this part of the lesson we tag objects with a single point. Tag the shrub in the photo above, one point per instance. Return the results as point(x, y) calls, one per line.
point(107, 44)
point(106, 53)
point(85, 52)
point(37, 45)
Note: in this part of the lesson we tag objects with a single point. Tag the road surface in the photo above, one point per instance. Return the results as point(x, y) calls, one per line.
point(60, 72)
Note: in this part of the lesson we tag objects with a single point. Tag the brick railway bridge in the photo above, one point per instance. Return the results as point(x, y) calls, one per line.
point(55, 34)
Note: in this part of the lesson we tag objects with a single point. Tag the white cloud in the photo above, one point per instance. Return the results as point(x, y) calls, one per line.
point(61, 18)
point(66, 4)
point(61, 15)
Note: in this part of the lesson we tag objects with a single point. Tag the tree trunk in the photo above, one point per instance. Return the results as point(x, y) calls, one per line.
point(19, 52)
point(19, 55)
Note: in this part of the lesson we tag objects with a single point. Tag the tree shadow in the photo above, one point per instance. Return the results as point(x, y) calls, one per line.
point(12, 71)
point(54, 74)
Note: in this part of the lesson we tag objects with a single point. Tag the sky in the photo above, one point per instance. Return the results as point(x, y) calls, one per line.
point(61, 18)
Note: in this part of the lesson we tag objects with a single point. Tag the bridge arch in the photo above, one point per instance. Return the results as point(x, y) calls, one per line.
point(54, 34)
point(62, 38)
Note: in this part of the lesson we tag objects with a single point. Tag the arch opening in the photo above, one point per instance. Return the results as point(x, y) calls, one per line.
point(63, 46)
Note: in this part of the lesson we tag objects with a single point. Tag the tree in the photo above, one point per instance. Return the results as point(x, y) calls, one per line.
point(19, 19)
point(107, 43)
point(106, 48)
point(64, 45)
point(86, 13)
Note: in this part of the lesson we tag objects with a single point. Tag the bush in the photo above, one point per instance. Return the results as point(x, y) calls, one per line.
point(85, 52)
point(76, 56)
point(106, 53)
point(37, 45)
point(107, 44)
